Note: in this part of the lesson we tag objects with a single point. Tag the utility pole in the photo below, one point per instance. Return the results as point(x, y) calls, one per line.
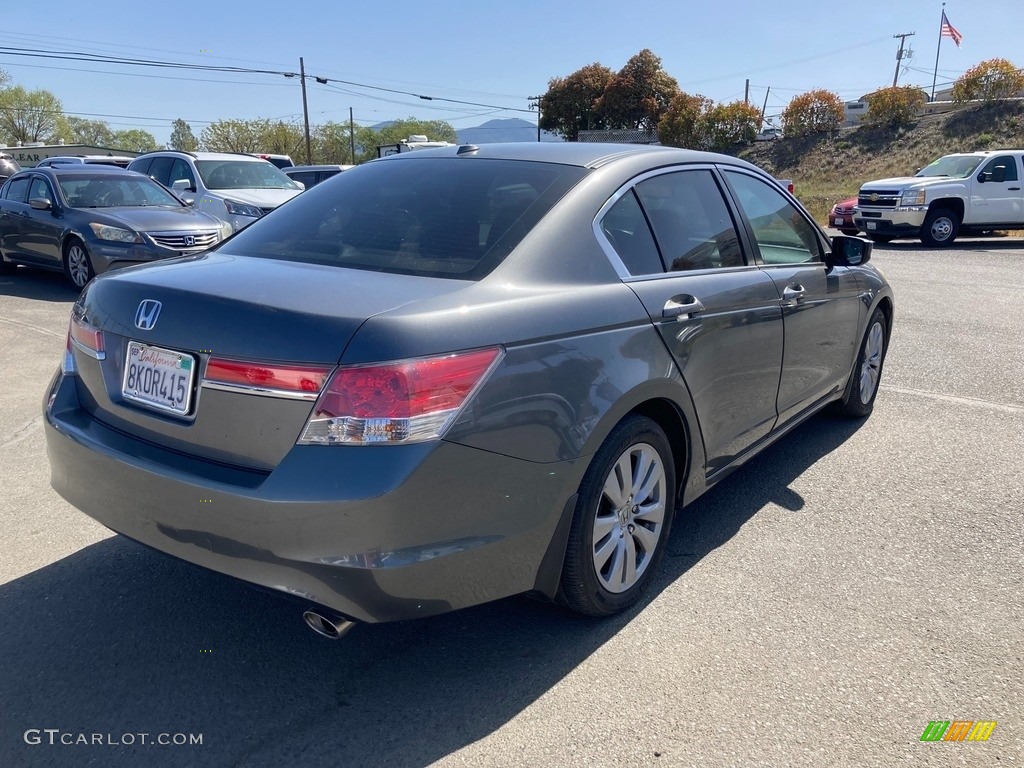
point(746, 92)
point(352, 135)
point(534, 103)
point(899, 54)
point(765, 107)
point(305, 109)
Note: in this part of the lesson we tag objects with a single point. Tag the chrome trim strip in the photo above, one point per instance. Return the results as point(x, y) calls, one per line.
point(249, 389)
point(90, 352)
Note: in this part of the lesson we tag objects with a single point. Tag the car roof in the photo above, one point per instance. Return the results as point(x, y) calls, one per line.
point(244, 156)
point(82, 169)
point(579, 153)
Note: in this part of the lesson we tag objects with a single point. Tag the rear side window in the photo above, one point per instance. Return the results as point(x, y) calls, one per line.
point(307, 177)
point(626, 229)
point(15, 190)
point(161, 170)
point(440, 217)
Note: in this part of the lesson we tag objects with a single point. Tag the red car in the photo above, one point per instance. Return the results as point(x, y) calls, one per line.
point(841, 216)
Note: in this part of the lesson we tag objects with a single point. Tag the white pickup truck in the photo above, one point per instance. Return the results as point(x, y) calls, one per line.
point(956, 194)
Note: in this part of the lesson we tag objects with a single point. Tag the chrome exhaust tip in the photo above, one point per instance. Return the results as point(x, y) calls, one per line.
point(328, 626)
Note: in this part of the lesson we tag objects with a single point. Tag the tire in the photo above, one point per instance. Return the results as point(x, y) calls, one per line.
point(6, 267)
point(867, 371)
point(880, 239)
point(636, 459)
point(941, 227)
point(77, 263)
point(853, 232)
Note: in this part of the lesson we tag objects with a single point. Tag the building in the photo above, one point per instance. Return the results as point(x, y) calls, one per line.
point(30, 154)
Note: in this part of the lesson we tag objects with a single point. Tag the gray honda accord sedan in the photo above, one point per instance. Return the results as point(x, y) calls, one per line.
point(449, 376)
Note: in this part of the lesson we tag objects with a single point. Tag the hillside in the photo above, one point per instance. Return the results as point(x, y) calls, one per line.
point(508, 129)
point(827, 168)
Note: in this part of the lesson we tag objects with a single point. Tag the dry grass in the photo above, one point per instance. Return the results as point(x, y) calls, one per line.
point(829, 168)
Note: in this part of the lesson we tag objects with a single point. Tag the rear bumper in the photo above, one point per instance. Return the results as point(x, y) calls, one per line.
point(374, 533)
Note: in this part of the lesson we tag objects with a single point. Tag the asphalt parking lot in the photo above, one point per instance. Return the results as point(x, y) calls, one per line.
point(818, 608)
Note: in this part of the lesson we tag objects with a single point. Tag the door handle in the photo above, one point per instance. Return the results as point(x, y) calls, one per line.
point(681, 307)
point(1014, 189)
point(792, 294)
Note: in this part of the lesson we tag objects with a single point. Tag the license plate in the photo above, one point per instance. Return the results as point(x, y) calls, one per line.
point(872, 225)
point(160, 378)
point(839, 222)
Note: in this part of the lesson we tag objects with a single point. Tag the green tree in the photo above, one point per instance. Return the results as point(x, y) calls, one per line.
point(256, 135)
point(182, 137)
point(816, 111)
point(988, 81)
point(682, 125)
point(134, 140)
point(726, 125)
point(29, 115)
point(894, 106)
point(331, 144)
point(568, 106)
point(638, 95)
point(79, 130)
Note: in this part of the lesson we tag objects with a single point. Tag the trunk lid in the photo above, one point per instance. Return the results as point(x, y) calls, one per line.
point(224, 306)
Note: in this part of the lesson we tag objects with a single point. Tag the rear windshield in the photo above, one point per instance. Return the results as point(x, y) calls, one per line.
point(454, 217)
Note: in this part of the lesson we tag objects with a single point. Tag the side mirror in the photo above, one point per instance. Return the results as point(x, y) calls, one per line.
point(848, 251)
point(299, 184)
point(182, 185)
point(998, 173)
point(40, 203)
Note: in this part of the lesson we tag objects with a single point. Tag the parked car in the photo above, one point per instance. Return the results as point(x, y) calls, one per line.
point(281, 161)
point(8, 166)
point(87, 219)
point(841, 216)
point(453, 375)
point(768, 134)
point(311, 175)
point(237, 188)
point(117, 160)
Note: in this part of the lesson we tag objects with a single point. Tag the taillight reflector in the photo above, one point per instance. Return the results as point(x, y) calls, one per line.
point(405, 401)
point(299, 379)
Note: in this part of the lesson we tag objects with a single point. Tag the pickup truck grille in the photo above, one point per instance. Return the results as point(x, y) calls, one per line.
point(879, 198)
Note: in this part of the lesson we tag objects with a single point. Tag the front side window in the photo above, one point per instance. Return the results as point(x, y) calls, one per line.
point(782, 233)
point(241, 174)
point(439, 217)
point(40, 189)
point(1007, 162)
point(690, 220)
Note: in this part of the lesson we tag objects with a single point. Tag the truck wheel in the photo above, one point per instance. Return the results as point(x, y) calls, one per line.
point(940, 228)
point(880, 239)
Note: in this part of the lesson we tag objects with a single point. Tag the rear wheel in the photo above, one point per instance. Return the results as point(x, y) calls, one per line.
point(867, 371)
point(6, 267)
point(622, 520)
point(940, 227)
point(77, 264)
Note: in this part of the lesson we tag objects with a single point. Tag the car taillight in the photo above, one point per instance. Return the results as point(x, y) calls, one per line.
point(401, 402)
point(302, 381)
point(85, 337)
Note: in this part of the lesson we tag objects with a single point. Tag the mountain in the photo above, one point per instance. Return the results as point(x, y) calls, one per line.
point(510, 129)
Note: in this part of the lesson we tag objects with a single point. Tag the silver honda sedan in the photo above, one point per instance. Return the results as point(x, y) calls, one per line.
point(449, 376)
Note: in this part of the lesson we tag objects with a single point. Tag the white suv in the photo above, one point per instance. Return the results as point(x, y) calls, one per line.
point(237, 188)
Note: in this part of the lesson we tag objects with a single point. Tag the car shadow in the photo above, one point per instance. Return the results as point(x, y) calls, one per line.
point(39, 284)
point(119, 641)
point(992, 243)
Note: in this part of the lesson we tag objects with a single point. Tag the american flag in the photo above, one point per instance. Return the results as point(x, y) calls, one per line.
point(948, 30)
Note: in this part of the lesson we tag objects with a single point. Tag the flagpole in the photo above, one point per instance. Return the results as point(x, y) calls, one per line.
point(938, 48)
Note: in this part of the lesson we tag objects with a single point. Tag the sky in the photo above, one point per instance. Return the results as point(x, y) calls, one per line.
point(494, 55)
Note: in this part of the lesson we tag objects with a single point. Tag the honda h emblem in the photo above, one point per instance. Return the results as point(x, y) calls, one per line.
point(148, 312)
point(189, 240)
